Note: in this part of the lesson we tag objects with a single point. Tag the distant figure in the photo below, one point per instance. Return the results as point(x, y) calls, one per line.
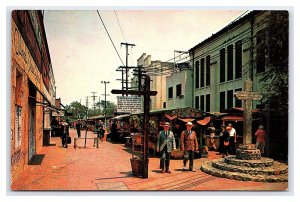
point(165, 145)
point(113, 130)
point(64, 134)
point(260, 135)
point(78, 128)
point(212, 130)
point(189, 145)
point(177, 133)
point(221, 139)
point(101, 130)
point(226, 143)
point(232, 138)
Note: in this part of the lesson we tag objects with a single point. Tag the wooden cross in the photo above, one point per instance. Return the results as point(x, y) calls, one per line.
point(248, 95)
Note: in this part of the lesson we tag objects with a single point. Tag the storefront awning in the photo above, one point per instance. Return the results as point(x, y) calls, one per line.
point(187, 120)
point(170, 117)
point(232, 118)
point(204, 121)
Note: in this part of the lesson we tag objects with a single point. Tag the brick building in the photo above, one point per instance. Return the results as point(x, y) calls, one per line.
point(32, 88)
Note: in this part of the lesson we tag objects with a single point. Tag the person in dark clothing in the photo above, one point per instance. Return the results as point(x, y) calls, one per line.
point(177, 134)
point(221, 139)
point(113, 130)
point(78, 128)
point(64, 134)
point(224, 137)
point(226, 143)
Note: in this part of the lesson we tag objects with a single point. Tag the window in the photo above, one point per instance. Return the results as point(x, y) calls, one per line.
point(170, 92)
point(208, 70)
point(260, 51)
point(238, 103)
point(202, 73)
point(164, 105)
point(222, 65)
point(238, 59)
point(197, 82)
point(202, 102)
point(222, 100)
point(229, 62)
point(229, 99)
point(197, 102)
point(178, 90)
point(208, 102)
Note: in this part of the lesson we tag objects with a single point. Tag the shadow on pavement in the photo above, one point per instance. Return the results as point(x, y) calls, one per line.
point(127, 174)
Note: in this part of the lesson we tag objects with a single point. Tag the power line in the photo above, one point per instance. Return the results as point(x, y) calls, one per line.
point(110, 38)
point(217, 48)
point(120, 25)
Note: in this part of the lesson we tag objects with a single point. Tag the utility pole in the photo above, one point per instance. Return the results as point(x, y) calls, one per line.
point(146, 130)
point(177, 51)
point(126, 69)
point(94, 97)
point(99, 104)
point(105, 82)
point(86, 125)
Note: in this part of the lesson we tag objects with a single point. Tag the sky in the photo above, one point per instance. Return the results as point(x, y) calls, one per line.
point(82, 54)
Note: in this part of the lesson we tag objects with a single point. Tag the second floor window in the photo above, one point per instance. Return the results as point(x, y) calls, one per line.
point(178, 90)
point(238, 59)
point(222, 65)
point(208, 70)
point(197, 72)
point(229, 62)
point(170, 92)
point(202, 73)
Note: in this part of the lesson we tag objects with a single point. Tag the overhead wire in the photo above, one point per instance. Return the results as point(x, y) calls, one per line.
point(122, 33)
point(233, 40)
point(110, 38)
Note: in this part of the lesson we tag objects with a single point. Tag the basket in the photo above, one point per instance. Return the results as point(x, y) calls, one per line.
point(176, 154)
point(136, 166)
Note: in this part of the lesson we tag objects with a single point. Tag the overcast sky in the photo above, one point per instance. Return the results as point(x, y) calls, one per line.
point(82, 54)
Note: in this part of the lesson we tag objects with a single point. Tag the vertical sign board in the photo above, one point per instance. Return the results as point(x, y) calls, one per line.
point(129, 104)
point(18, 128)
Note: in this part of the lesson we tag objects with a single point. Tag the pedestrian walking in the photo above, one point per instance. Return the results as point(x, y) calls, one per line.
point(212, 130)
point(113, 131)
point(189, 145)
point(232, 138)
point(165, 145)
point(64, 134)
point(225, 139)
point(221, 139)
point(78, 128)
point(260, 135)
point(177, 133)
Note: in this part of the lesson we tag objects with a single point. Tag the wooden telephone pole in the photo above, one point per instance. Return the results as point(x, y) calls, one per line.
point(146, 130)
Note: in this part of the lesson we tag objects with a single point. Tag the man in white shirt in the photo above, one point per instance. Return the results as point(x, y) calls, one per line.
point(232, 139)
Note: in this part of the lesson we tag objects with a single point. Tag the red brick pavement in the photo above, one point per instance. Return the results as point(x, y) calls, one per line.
point(108, 168)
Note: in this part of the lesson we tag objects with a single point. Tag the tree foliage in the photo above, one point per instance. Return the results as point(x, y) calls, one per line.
point(78, 110)
point(277, 48)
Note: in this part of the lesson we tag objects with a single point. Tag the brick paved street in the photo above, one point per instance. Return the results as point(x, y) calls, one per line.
point(108, 168)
